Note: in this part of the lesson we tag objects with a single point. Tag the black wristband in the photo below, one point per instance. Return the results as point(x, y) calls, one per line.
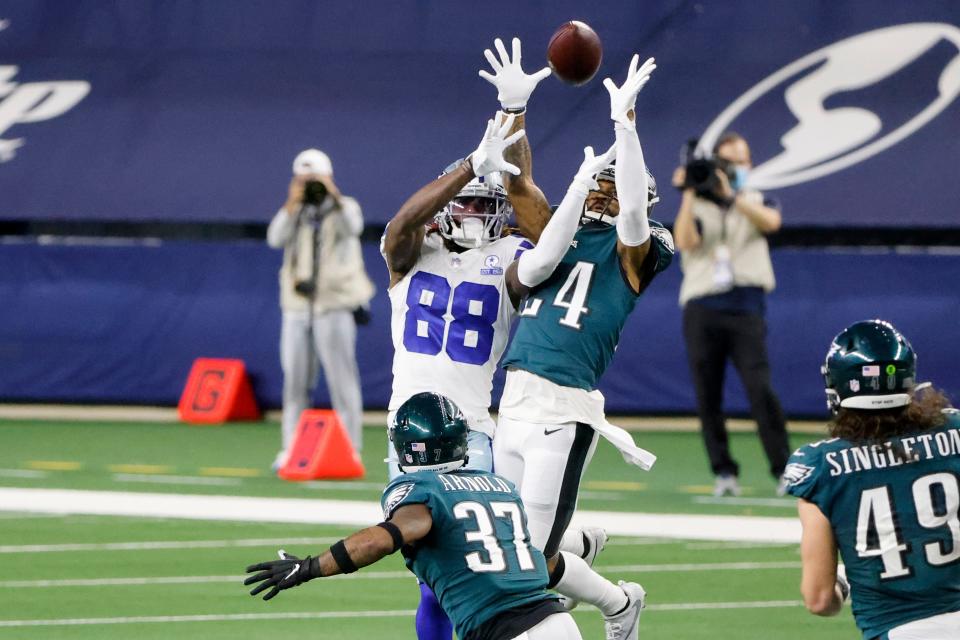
point(339, 552)
point(516, 111)
point(394, 532)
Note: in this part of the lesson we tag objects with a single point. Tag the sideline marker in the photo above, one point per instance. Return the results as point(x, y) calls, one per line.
point(218, 390)
point(321, 449)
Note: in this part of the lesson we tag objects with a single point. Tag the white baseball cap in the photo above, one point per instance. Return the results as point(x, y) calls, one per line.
point(312, 161)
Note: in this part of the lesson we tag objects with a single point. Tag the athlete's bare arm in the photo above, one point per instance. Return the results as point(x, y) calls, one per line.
point(403, 238)
point(818, 557)
point(529, 203)
point(372, 544)
point(363, 548)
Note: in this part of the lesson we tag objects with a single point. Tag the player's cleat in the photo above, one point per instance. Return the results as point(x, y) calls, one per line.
point(623, 625)
point(726, 485)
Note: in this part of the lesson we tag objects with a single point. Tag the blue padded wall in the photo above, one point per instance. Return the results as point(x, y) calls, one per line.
point(121, 322)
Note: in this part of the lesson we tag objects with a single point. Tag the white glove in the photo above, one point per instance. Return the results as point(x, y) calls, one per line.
point(586, 179)
point(843, 585)
point(514, 86)
point(623, 99)
point(488, 158)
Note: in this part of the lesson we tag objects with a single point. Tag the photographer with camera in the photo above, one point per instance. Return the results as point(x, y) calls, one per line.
point(324, 294)
point(721, 231)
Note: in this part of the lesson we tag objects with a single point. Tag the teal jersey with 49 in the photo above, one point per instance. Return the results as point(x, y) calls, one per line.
point(477, 558)
point(894, 508)
point(570, 324)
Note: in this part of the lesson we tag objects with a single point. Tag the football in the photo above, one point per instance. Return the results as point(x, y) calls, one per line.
point(575, 52)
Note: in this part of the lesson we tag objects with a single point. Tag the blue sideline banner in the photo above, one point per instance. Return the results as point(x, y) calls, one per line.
point(121, 323)
point(192, 111)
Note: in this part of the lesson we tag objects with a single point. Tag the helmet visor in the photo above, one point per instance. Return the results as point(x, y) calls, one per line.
point(472, 206)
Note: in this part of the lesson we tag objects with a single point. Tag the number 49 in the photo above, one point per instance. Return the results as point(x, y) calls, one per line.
point(877, 516)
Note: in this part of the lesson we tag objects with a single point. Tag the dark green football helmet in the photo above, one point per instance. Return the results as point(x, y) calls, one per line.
point(429, 433)
point(870, 365)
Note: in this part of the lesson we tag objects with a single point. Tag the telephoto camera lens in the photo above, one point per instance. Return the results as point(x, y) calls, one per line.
point(314, 192)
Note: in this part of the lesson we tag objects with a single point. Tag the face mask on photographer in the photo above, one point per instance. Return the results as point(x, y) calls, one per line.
point(740, 174)
point(735, 152)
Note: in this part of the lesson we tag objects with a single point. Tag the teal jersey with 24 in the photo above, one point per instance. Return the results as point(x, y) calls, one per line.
point(894, 508)
point(571, 323)
point(477, 558)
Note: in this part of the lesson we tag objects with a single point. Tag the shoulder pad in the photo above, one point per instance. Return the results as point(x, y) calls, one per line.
point(663, 235)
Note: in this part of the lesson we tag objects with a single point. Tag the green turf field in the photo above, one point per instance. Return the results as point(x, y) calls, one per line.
point(85, 576)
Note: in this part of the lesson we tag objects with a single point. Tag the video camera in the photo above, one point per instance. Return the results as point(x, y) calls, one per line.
point(701, 172)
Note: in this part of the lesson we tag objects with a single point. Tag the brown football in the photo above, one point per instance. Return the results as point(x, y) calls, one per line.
point(575, 52)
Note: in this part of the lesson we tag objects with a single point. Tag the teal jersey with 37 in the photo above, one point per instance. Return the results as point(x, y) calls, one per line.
point(894, 508)
point(570, 324)
point(477, 558)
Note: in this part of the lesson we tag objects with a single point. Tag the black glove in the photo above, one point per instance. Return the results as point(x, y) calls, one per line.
point(287, 572)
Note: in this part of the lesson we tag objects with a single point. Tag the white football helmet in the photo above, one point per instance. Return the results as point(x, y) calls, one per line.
point(476, 215)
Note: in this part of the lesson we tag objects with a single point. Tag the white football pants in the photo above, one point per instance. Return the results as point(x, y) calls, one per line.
point(334, 344)
point(942, 627)
point(546, 462)
point(559, 626)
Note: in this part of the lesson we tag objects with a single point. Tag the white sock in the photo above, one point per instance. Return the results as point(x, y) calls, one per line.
point(582, 583)
point(572, 542)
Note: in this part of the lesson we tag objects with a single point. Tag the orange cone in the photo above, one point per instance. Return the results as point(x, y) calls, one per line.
point(217, 390)
point(321, 449)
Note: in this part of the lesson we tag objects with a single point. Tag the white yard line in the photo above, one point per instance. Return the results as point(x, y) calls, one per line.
point(692, 566)
point(376, 575)
point(786, 503)
point(315, 615)
point(707, 606)
point(33, 474)
point(359, 513)
point(162, 544)
point(345, 485)
point(213, 544)
point(707, 546)
point(306, 615)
